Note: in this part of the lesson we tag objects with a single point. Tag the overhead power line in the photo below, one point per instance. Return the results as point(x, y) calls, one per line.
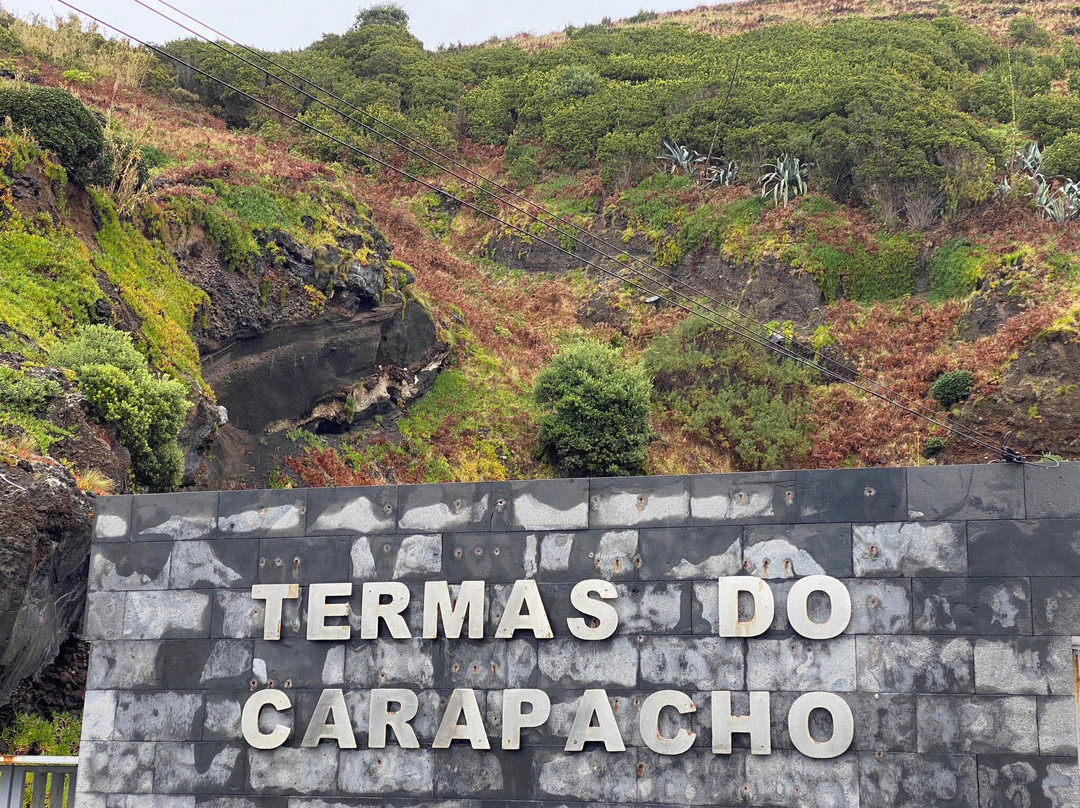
point(661, 291)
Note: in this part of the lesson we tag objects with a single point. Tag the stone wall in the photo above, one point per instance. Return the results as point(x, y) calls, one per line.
point(965, 590)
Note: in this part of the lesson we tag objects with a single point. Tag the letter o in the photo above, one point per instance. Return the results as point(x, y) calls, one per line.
point(839, 607)
point(799, 725)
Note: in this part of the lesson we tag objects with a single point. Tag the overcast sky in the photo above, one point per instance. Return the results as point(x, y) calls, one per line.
point(280, 24)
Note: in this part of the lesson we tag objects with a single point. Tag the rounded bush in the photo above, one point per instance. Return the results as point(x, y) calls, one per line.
point(61, 124)
point(1062, 157)
point(596, 419)
point(951, 387)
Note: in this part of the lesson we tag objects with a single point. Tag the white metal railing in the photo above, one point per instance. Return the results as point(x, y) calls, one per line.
point(43, 780)
point(1076, 686)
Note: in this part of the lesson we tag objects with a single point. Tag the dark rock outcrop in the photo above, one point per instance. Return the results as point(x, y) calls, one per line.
point(44, 553)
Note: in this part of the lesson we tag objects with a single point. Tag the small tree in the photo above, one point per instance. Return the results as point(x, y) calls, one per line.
point(147, 411)
point(951, 387)
point(382, 14)
point(596, 412)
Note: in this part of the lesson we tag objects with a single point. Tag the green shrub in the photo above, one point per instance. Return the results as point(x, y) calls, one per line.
point(147, 412)
point(732, 394)
point(951, 387)
point(934, 446)
point(23, 393)
point(1062, 157)
point(596, 419)
point(60, 123)
point(954, 270)
point(1025, 31)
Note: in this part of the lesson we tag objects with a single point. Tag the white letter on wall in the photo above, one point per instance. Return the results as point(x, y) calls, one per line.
point(764, 608)
point(372, 609)
point(381, 717)
point(331, 704)
point(649, 722)
point(462, 701)
point(724, 724)
point(274, 595)
point(319, 610)
point(798, 609)
point(798, 722)
point(513, 720)
point(525, 593)
point(594, 703)
point(604, 612)
point(249, 719)
point(437, 601)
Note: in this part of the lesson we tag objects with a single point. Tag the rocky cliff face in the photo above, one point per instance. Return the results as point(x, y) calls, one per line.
point(43, 565)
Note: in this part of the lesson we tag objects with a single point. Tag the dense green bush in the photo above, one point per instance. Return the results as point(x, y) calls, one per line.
point(1062, 157)
point(951, 387)
point(147, 411)
point(732, 394)
point(596, 412)
point(955, 269)
point(60, 123)
point(23, 393)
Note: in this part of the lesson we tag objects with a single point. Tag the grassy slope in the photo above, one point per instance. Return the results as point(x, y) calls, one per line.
point(505, 326)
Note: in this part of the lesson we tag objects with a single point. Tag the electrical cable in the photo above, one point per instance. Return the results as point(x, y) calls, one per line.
point(733, 327)
point(487, 183)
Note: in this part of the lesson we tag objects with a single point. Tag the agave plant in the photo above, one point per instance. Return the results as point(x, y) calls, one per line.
point(722, 172)
point(1057, 209)
point(679, 158)
point(1029, 160)
point(784, 179)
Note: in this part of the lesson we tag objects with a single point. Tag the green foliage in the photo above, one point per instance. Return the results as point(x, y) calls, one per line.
point(23, 393)
point(732, 394)
point(34, 734)
point(1023, 30)
point(147, 411)
point(955, 270)
point(596, 412)
point(382, 14)
point(783, 180)
point(61, 124)
point(951, 387)
point(1062, 158)
point(1049, 117)
point(934, 446)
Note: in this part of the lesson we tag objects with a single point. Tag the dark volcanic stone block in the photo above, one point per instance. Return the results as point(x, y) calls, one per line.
point(972, 606)
point(112, 518)
point(684, 553)
point(1044, 547)
point(852, 495)
point(352, 511)
point(621, 502)
point(130, 565)
point(162, 716)
point(898, 664)
point(978, 724)
point(788, 778)
point(790, 551)
point(413, 557)
point(1039, 665)
point(904, 780)
point(910, 549)
point(541, 505)
point(445, 508)
point(262, 513)
point(592, 775)
point(608, 554)
point(989, 491)
point(1052, 492)
point(743, 498)
point(220, 564)
point(491, 557)
point(168, 517)
point(1033, 782)
point(465, 772)
point(318, 559)
point(1055, 605)
point(202, 664)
